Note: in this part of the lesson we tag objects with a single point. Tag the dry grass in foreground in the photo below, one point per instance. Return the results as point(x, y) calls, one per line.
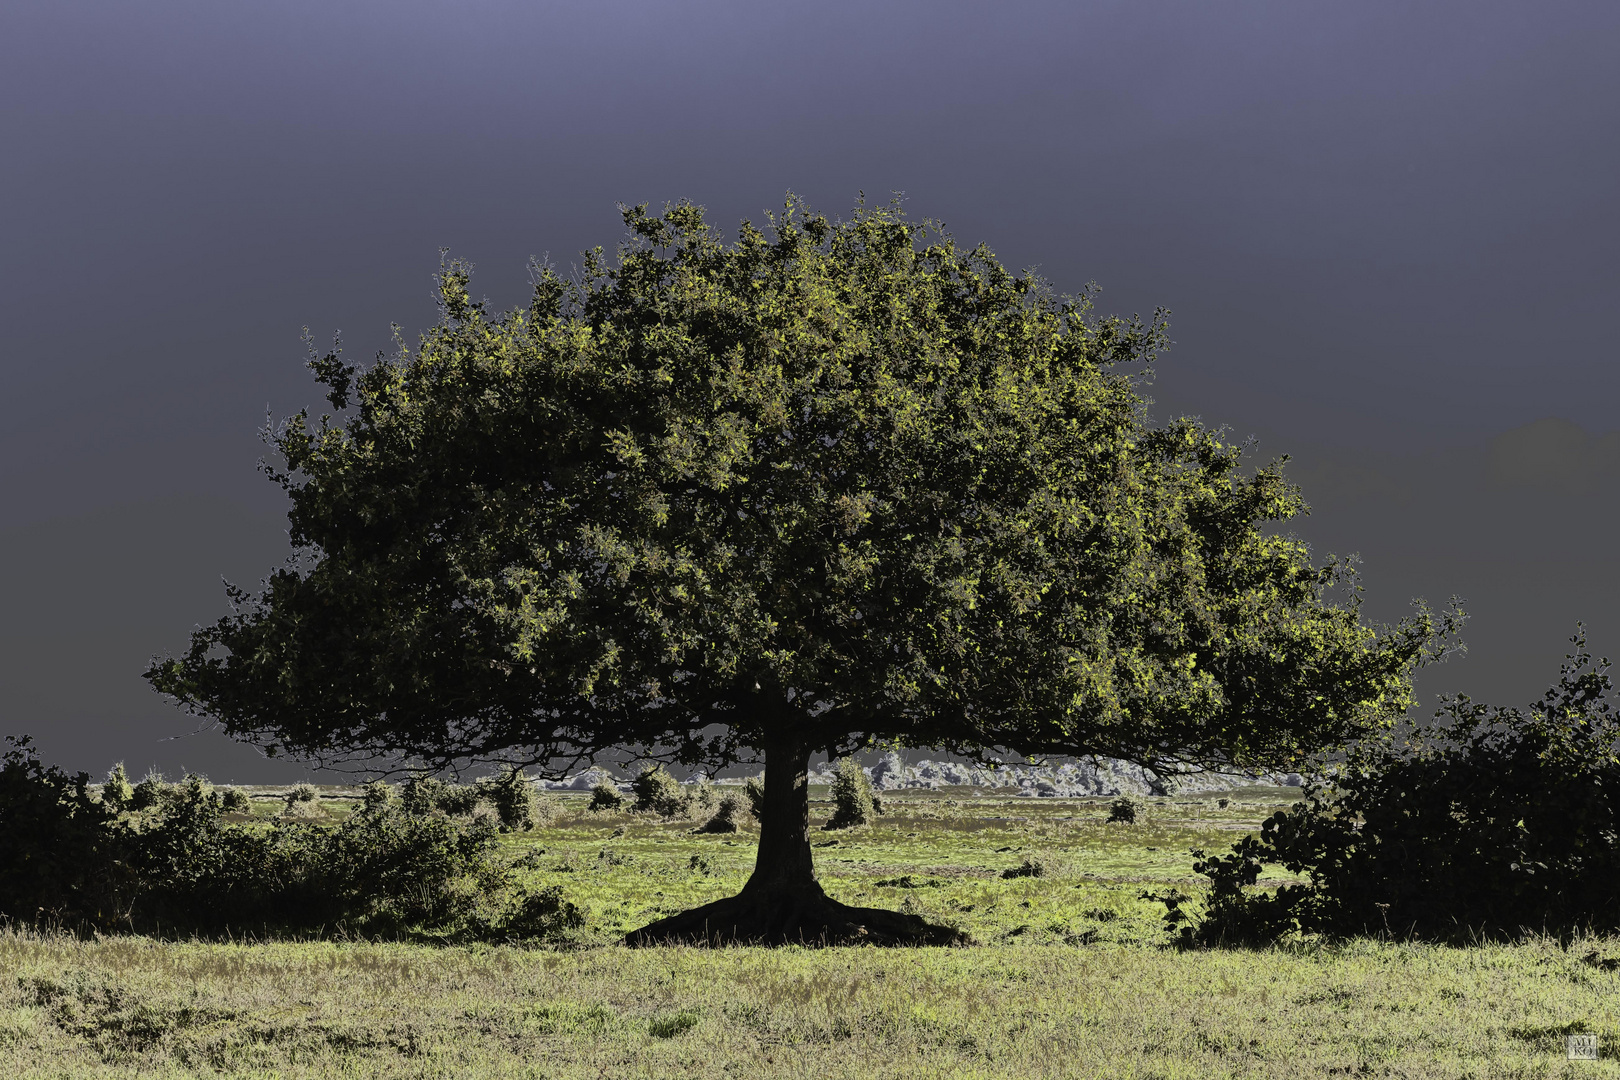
point(128, 1007)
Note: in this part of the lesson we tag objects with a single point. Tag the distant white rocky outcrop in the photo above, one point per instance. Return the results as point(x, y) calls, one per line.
point(1105, 776)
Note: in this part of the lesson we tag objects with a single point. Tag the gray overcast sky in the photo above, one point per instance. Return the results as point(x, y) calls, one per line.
point(1387, 233)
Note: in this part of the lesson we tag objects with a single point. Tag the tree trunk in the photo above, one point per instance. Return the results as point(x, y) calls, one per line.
point(783, 903)
point(783, 862)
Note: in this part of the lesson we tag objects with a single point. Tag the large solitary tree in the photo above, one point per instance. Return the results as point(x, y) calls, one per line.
point(833, 485)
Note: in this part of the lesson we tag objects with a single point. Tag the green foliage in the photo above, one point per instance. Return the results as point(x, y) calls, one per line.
point(1122, 811)
point(56, 854)
point(117, 792)
point(233, 800)
point(1500, 821)
point(1032, 866)
point(657, 792)
point(301, 793)
point(377, 795)
point(837, 482)
point(458, 798)
point(606, 795)
point(516, 801)
point(726, 815)
point(851, 795)
point(667, 1027)
point(421, 794)
point(148, 793)
point(543, 914)
point(703, 796)
point(71, 859)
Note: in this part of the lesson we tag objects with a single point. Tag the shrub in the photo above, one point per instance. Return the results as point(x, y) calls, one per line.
point(852, 796)
point(56, 855)
point(517, 802)
point(148, 793)
point(703, 796)
point(117, 792)
point(658, 792)
point(1032, 866)
point(542, 914)
point(1122, 811)
point(302, 802)
point(233, 800)
point(725, 816)
point(1499, 821)
point(420, 795)
point(459, 799)
point(606, 796)
point(376, 795)
point(68, 858)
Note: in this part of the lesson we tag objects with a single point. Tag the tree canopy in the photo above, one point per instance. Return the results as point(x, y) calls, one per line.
point(835, 484)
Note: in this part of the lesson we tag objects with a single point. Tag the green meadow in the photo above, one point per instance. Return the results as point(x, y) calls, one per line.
point(1071, 977)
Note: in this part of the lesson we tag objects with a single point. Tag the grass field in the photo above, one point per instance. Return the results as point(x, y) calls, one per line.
point(1071, 976)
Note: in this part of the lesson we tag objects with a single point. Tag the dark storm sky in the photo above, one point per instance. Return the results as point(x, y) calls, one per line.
point(1387, 233)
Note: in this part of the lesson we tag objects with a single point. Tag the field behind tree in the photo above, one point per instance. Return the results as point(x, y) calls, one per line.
point(1071, 976)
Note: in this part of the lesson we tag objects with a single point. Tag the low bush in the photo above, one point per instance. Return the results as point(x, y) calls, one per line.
point(376, 795)
point(515, 799)
point(851, 795)
point(458, 798)
point(1500, 821)
point(658, 792)
point(117, 792)
point(606, 796)
point(1122, 811)
point(73, 858)
point(1032, 866)
point(725, 816)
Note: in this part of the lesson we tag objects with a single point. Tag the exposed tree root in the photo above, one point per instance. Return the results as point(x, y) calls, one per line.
point(797, 917)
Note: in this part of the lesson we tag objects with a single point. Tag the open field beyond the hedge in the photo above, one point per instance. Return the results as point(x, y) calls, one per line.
point(1070, 979)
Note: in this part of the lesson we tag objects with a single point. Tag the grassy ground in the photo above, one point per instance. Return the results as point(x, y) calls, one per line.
point(1071, 978)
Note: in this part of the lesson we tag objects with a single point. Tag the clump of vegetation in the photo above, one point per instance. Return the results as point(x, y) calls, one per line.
point(421, 794)
point(702, 797)
point(606, 795)
point(853, 803)
point(233, 800)
point(148, 793)
point(177, 866)
point(376, 795)
point(726, 815)
point(1122, 811)
point(543, 914)
point(117, 792)
point(515, 799)
point(1032, 866)
point(458, 798)
point(657, 792)
point(1500, 821)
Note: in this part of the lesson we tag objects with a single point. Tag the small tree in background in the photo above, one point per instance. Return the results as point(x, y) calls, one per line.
point(851, 796)
point(606, 796)
point(836, 484)
point(657, 792)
